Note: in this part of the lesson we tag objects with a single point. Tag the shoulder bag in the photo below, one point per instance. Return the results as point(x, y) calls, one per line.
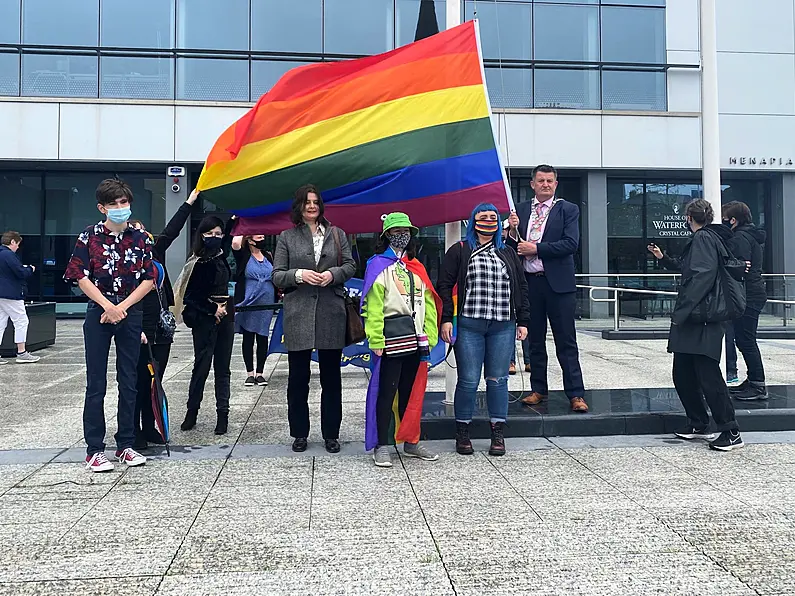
point(399, 330)
point(354, 328)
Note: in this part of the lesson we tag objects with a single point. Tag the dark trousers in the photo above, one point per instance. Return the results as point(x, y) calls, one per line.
point(731, 351)
point(330, 397)
point(212, 345)
point(744, 335)
point(698, 378)
point(559, 310)
point(144, 417)
point(248, 350)
point(127, 336)
point(396, 376)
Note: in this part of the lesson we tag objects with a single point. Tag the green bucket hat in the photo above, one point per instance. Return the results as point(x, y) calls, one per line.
point(398, 220)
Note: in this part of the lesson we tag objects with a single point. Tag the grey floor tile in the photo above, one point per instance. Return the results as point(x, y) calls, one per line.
point(128, 586)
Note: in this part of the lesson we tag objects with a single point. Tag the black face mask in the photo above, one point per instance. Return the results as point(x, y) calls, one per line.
point(260, 244)
point(727, 223)
point(212, 244)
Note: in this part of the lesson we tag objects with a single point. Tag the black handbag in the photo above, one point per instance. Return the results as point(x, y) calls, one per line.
point(354, 328)
point(166, 322)
point(726, 300)
point(400, 334)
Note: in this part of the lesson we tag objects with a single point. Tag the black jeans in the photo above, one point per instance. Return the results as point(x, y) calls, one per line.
point(144, 416)
point(330, 397)
point(559, 309)
point(396, 376)
point(745, 337)
point(212, 345)
point(97, 336)
point(731, 351)
point(248, 350)
point(697, 378)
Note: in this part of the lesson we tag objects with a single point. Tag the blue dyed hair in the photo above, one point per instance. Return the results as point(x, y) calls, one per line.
point(472, 237)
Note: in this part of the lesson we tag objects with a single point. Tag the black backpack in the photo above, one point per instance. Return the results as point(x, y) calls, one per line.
point(726, 300)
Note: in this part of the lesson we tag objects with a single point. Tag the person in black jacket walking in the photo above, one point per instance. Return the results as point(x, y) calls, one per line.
point(493, 312)
point(697, 347)
point(152, 304)
point(748, 245)
point(13, 285)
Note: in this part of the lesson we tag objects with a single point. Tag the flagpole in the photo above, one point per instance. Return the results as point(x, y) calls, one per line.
point(452, 230)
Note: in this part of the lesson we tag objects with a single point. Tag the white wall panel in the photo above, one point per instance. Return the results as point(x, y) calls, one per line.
point(684, 90)
point(28, 130)
point(109, 132)
point(755, 26)
point(757, 137)
point(197, 128)
point(756, 83)
point(681, 24)
point(651, 142)
point(564, 140)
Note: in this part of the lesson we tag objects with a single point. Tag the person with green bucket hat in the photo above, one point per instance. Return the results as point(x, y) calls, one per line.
point(401, 312)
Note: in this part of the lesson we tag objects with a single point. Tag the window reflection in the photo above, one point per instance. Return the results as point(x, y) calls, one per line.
point(9, 24)
point(136, 78)
point(633, 34)
point(212, 79)
point(9, 74)
point(358, 26)
point(61, 22)
point(138, 24)
point(633, 90)
point(510, 87)
point(569, 33)
point(51, 75)
point(505, 28)
point(213, 25)
point(294, 26)
point(566, 88)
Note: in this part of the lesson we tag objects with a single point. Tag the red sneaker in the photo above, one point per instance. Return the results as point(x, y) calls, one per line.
point(98, 463)
point(130, 457)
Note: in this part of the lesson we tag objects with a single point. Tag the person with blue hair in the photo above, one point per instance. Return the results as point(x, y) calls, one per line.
point(481, 282)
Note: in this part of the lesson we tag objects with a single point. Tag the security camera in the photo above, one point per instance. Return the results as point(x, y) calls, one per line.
point(175, 188)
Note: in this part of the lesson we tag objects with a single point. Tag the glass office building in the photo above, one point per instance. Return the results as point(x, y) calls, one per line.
point(607, 90)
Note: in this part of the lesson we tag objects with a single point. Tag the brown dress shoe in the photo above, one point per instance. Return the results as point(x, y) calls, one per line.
point(512, 369)
point(527, 368)
point(578, 405)
point(534, 399)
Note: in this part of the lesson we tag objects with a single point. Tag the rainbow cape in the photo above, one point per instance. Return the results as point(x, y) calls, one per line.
point(407, 428)
point(409, 130)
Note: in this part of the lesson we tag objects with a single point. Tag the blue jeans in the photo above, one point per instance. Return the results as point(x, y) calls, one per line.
point(485, 346)
point(97, 336)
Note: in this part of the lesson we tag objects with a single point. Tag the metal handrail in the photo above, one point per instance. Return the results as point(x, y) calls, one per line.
point(643, 275)
point(617, 291)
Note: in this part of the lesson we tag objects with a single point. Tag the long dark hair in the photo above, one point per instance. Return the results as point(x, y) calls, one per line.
point(297, 210)
point(207, 224)
point(411, 248)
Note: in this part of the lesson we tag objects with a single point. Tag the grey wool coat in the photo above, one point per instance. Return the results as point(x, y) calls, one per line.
point(314, 317)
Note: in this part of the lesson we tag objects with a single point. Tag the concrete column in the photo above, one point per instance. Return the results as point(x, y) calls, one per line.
point(178, 252)
point(593, 243)
point(710, 135)
point(452, 230)
point(779, 224)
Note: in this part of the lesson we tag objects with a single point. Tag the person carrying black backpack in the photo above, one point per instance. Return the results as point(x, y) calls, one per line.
point(748, 245)
point(709, 295)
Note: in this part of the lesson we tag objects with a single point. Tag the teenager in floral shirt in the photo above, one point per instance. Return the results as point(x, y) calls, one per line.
point(112, 265)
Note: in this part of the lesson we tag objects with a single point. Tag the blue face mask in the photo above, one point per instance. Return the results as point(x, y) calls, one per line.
point(120, 215)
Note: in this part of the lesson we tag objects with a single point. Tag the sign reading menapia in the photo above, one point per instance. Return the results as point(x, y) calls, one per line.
point(761, 161)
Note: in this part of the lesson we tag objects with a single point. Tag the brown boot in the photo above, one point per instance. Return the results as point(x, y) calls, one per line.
point(497, 439)
point(533, 399)
point(463, 444)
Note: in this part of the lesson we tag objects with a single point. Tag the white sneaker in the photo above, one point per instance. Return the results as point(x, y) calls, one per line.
point(3, 361)
point(130, 457)
point(382, 456)
point(98, 463)
point(27, 358)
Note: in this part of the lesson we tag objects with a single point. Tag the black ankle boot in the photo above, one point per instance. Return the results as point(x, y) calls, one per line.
point(190, 419)
point(463, 445)
point(497, 439)
point(223, 423)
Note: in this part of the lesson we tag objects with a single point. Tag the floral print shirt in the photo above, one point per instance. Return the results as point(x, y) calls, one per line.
point(115, 263)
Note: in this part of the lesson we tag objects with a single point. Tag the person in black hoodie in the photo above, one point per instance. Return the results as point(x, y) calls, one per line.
point(152, 304)
point(748, 245)
point(697, 347)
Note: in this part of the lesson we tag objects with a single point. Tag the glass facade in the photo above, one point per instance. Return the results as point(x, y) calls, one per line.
point(50, 209)
point(575, 54)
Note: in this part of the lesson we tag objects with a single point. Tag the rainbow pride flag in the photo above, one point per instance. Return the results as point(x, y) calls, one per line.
point(409, 130)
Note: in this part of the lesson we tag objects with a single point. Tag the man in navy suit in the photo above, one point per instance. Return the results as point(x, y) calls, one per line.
point(546, 233)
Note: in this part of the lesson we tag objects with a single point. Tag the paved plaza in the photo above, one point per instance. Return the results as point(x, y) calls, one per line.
point(242, 514)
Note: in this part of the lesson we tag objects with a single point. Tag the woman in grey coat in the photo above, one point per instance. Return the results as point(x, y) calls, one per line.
point(312, 263)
